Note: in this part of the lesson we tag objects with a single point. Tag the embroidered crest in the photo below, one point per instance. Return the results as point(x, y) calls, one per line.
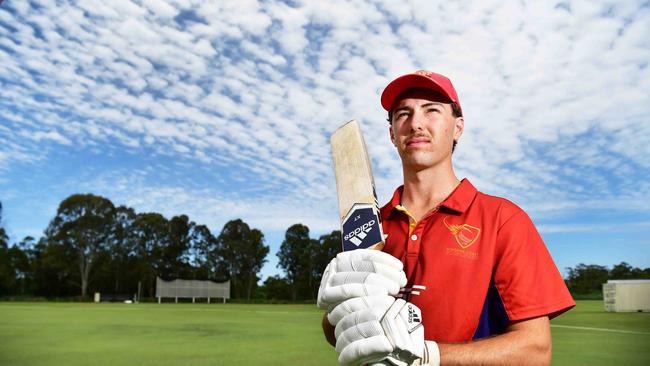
point(464, 234)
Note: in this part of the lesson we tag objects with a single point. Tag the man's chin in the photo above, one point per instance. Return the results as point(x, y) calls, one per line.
point(417, 164)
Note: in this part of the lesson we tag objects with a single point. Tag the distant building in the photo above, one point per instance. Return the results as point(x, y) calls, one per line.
point(627, 295)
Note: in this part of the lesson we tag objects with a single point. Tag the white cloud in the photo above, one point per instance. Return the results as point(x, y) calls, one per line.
point(594, 228)
point(555, 97)
point(51, 135)
point(209, 206)
point(160, 8)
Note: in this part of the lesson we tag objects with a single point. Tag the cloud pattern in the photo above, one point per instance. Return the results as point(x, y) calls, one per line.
point(223, 109)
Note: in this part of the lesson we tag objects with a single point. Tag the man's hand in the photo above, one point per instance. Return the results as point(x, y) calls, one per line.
point(360, 272)
point(391, 332)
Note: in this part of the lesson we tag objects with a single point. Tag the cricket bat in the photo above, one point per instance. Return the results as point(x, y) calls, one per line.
point(355, 187)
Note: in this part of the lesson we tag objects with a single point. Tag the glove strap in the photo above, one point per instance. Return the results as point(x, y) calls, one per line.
point(431, 357)
point(431, 354)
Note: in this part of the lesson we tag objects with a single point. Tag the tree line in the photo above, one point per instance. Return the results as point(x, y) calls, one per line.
point(587, 279)
point(91, 245)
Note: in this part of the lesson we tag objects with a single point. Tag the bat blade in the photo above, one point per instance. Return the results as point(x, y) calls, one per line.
point(358, 208)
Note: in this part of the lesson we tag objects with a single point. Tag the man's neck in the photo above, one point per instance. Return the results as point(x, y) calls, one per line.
point(426, 189)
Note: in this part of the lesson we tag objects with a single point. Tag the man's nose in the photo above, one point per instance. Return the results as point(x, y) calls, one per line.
point(416, 121)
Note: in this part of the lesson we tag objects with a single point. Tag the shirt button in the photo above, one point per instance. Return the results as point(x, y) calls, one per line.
point(414, 237)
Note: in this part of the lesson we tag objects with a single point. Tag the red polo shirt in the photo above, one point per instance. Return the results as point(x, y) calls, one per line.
point(474, 264)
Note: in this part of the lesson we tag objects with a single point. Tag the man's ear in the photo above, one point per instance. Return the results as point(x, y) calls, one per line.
point(392, 134)
point(459, 127)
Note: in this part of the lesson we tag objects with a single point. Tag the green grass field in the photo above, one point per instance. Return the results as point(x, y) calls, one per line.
point(227, 334)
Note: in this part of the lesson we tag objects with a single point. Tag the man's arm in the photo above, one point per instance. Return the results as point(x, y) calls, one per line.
point(526, 342)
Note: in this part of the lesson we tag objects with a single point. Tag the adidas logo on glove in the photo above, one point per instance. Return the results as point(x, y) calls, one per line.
point(413, 315)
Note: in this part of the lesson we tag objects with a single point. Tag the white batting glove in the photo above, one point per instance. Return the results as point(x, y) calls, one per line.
point(381, 302)
point(393, 334)
point(360, 272)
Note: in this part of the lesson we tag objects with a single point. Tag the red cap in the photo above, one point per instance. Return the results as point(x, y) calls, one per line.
point(419, 79)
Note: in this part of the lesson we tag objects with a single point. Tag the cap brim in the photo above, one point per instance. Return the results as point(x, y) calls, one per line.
point(406, 82)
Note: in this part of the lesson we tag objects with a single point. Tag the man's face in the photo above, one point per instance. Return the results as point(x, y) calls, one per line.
point(423, 129)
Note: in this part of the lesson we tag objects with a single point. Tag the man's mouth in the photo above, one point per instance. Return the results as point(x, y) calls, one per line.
point(416, 141)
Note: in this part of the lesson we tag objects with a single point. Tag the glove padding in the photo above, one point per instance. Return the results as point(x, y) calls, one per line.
point(394, 333)
point(357, 273)
point(382, 302)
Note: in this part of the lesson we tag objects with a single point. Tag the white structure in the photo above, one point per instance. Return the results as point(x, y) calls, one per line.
point(627, 295)
point(192, 289)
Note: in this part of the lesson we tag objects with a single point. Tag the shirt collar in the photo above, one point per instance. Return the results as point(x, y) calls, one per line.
point(459, 200)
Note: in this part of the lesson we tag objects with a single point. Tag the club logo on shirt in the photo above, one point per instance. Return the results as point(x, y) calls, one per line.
point(464, 234)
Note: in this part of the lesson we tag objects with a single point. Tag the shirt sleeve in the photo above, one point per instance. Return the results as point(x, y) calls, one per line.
point(525, 275)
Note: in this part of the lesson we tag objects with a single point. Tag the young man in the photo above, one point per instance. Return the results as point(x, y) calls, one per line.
point(475, 265)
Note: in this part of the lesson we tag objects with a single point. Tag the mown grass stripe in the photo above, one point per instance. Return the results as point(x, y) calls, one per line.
point(600, 329)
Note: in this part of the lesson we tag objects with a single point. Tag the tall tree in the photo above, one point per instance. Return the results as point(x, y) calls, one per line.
point(55, 272)
point(294, 257)
point(20, 257)
point(121, 246)
point(326, 247)
point(83, 222)
point(624, 271)
point(6, 272)
point(254, 259)
point(149, 233)
point(232, 235)
point(4, 238)
point(584, 279)
point(244, 254)
point(175, 255)
point(205, 255)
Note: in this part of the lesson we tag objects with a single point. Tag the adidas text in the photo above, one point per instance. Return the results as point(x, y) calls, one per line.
point(363, 228)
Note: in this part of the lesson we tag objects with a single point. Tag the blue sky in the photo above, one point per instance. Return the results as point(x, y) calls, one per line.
point(223, 110)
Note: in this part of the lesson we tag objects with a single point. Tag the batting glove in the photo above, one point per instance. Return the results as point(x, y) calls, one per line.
point(360, 272)
point(380, 302)
point(393, 334)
